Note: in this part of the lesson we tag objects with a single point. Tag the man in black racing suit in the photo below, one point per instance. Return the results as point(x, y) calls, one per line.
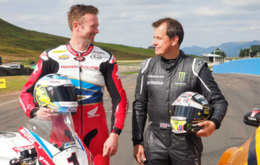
point(160, 81)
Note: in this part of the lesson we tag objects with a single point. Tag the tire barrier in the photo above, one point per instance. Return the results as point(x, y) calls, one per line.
point(15, 71)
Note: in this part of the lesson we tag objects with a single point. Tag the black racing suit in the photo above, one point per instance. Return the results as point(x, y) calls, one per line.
point(159, 83)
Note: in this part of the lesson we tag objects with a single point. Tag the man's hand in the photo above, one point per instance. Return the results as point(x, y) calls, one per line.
point(139, 154)
point(208, 127)
point(45, 114)
point(110, 146)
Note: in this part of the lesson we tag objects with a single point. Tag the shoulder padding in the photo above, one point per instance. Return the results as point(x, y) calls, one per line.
point(110, 58)
point(145, 64)
point(197, 65)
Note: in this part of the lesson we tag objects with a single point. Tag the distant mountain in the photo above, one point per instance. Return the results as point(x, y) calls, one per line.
point(231, 49)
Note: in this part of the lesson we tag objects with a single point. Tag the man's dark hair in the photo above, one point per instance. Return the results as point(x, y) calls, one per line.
point(174, 28)
point(78, 11)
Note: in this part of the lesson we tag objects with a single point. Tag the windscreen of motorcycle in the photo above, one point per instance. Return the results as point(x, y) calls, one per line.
point(58, 132)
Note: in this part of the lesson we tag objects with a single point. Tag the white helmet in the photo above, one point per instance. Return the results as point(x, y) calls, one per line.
point(56, 92)
point(187, 110)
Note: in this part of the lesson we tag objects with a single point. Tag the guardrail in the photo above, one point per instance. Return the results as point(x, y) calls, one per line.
point(245, 66)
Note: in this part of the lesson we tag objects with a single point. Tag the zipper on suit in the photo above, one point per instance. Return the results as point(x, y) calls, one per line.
point(81, 108)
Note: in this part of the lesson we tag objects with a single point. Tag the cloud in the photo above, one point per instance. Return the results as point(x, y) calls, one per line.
point(209, 11)
point(3, 1)
point(242, 4)
point(128, 22)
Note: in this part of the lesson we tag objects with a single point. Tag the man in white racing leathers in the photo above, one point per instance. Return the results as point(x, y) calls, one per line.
point(159, 83)
point(89, 68)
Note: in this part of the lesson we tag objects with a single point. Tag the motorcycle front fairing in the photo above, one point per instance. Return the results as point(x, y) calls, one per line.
point(55, 141)
point(12, 144)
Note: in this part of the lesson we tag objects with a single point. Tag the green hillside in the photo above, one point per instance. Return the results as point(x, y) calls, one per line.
point(18, 44)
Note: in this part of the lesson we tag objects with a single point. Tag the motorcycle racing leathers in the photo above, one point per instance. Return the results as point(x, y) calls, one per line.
point(159, 83)
point(89, 71)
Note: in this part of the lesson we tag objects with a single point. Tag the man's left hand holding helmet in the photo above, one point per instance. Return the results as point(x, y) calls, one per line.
point(208, 127)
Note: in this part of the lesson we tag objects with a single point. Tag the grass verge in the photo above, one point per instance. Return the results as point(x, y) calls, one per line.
point(13, 83)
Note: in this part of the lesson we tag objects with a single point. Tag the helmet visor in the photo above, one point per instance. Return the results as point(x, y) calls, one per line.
point(61, 93)
point(191, 113)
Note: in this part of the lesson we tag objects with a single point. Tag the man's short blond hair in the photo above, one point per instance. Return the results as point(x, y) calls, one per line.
point(78, 11)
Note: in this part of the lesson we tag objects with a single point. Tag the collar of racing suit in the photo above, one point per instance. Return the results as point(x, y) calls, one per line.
point(77, 53)
point(169, 64)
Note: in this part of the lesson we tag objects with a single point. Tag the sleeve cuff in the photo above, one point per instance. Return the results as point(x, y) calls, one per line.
point(117, 130)
point(135, 142)
point(216, 122)
point(33, 111)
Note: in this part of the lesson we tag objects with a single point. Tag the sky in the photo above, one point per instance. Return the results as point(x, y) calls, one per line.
point(128, 22)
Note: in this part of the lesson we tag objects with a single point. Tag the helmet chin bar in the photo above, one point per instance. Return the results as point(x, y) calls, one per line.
point(182, 125)
point(178, 124)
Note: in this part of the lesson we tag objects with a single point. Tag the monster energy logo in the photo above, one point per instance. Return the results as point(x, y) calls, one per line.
point(181, 76)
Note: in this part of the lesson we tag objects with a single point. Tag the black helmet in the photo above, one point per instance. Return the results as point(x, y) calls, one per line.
point(253, 117)
point(187, 110)
point(56, 92)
